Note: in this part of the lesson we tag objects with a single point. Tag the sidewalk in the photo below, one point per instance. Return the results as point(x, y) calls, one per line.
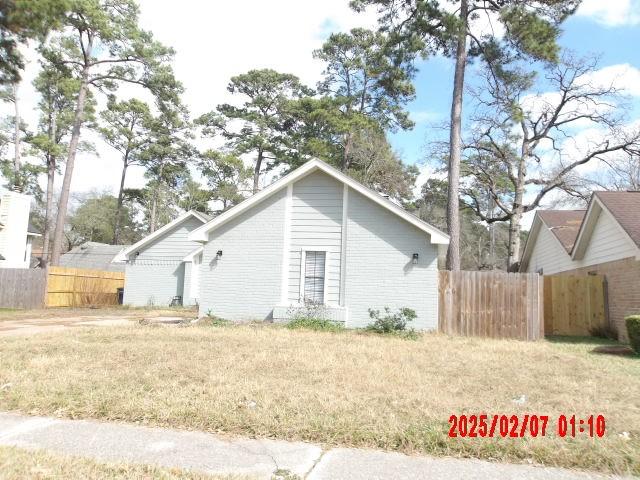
point(114, 442)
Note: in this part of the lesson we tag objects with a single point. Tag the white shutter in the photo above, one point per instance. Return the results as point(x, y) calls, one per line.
point(314, 270)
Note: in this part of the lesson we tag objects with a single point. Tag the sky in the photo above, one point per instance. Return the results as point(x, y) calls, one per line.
point(215, 40)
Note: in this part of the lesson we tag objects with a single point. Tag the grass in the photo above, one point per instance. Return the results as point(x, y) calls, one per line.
point(18, 464)
point(343, 388)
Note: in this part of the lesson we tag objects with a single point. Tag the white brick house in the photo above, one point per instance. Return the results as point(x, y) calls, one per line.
point(318, 236)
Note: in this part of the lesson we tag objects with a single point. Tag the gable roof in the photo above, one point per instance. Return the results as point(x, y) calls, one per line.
point(201, 234)
point(95, 256)
point(623, 207)
point(564, 224)
point(573, 228)
point(124, 255)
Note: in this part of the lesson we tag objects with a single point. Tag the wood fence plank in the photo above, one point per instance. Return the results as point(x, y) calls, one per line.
point(22, 287)
point(70, 287)
point(574, 305)
point(490, 304)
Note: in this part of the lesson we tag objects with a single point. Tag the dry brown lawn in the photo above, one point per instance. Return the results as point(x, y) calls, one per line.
point(19, 464)
point(335, 388)
point(131, 312)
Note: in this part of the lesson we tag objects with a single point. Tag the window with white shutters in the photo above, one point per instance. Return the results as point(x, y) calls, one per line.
point(314, 271)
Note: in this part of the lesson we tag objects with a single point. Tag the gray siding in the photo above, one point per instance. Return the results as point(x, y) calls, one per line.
point(245, 283)
point(157, 274)
point(316, 224)
point(187, 299)
point(379, 269)
point(173, 245)
point(153, 285)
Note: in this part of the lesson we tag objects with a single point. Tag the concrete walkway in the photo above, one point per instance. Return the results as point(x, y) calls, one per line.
point(212, 454)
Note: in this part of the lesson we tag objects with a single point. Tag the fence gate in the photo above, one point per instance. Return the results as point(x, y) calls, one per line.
point(573, 305)
point(491, 304)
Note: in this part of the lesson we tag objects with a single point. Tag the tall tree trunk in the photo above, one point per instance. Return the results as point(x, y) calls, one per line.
point(17, 184)
point(513, 261)
point(455, 143)
point(256, 172)
point(348, 144)
point(514, 241)
point(116, 227)
point(48, 215)
point(51, 174)
point(56, 249)
point(154, 210)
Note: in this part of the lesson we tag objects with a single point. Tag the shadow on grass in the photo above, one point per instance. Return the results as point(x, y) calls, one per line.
point(573, 340)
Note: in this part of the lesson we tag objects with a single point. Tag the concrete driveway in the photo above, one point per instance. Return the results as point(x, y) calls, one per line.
point(54, 320)
point(32, 326)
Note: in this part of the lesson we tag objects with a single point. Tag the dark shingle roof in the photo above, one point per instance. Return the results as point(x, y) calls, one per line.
point(625, 208)
point(93, 255)
point(565, 225)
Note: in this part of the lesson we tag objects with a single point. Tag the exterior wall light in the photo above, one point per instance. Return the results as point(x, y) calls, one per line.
point(218, 254)
point(414, 259)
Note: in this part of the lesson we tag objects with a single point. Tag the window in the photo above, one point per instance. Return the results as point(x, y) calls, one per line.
point(314, 263)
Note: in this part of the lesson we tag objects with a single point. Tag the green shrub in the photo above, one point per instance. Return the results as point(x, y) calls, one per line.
point(393, 323)
point(212, 321)
point(633, 330)
point(312, 317)
point(318, 324)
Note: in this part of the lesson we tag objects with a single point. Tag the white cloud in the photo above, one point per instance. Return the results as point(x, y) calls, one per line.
point(611, 13)
point(623, 77)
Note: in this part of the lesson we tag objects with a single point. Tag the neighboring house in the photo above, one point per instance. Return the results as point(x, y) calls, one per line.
point(318, 237)
point(604, 239)
point(157, 266)
point(16, 233)
point(94, 256)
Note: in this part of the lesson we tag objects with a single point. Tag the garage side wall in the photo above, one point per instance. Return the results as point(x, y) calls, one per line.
point(153, 284)
point(379, 268)
point(156, 275)
point(244, 283)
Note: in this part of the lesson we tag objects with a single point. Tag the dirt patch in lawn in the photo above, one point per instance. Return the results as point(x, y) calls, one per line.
point(29, 322)
point(336, 388)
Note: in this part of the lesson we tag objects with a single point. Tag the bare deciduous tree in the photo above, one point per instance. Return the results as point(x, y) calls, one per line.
point(526, 144)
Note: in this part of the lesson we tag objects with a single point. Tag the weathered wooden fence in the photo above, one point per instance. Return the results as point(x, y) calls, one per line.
point(574, 305)
point(76, 287)
point(58, 287)
point(491, 304)
point(22, 288)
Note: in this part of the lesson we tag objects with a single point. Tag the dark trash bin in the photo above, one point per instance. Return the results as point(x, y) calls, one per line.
point(120, 296)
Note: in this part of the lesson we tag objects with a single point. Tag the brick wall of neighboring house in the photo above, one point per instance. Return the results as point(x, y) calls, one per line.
point(623, 289)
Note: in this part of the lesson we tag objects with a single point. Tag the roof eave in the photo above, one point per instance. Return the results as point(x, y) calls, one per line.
point(201, 234)
point(126, 253)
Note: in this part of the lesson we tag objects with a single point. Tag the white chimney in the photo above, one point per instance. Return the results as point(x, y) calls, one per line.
point(14, 223)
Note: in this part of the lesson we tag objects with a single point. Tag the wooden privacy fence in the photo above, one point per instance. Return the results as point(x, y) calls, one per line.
point(491, 304)
point(58, 287)
point(574, 305)
point(22, 288)
point(76, 287)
